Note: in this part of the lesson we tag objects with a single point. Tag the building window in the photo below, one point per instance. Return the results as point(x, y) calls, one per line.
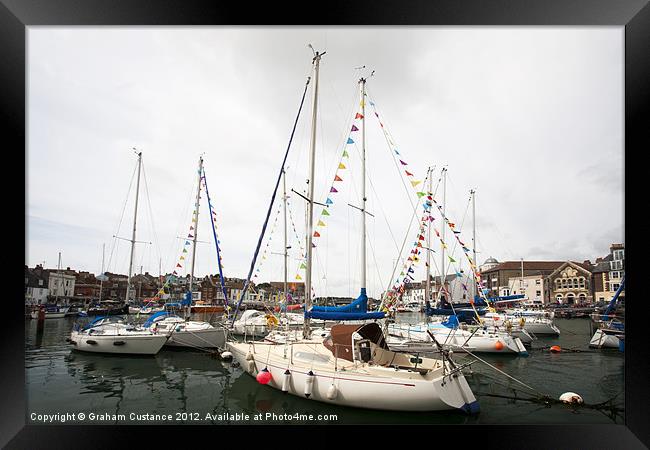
point(538, 282)
point(538, 293)
point(615, 286)
point(616, 265)
point(619, 254)
point(40, 282)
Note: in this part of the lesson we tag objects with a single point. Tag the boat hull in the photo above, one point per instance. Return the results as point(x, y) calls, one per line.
point(209, 338)
point(118, 344)
point(358, 390)
point(601, 339)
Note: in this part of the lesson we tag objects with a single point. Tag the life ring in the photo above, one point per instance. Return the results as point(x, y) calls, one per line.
point(271, 320)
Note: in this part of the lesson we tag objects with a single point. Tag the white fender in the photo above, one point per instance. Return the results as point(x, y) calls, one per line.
point(285, 381)
point(309, 383)
point(332, 392)
point(571, 397)
point(251, 366)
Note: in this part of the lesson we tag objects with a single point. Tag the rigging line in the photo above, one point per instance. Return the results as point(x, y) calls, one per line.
point(146, 189)
point(374, 258)
point(126, 200)
point(413, 215)
point(181, 221)
point(268, 213)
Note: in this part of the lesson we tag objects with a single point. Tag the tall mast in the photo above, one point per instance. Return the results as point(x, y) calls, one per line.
point(362, 81)
point(101, 280)
point(286, 256)
point(444, 198)
point(310, 205)
point(56, 299)
point(521, 283)
point(135, 217)
point(196, 224)
point(427, 289)
point(473, 194)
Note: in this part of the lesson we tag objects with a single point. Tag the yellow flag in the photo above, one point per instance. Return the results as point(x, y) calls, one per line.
point(298, 277)
point(320, 224)
point(415, 183)
point(341, 166)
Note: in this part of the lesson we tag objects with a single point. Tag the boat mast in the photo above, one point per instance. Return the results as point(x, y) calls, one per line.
point(101, 280)
point(135, 216)
point(56, 298)
point(442, 270)
point(362, 81)
point(427, 289)
point(310, 204)
point(521, 283)
point(473, 194)
point(286, 256)
point(196, 224)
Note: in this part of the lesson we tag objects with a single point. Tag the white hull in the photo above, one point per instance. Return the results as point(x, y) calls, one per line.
point(457, 340)
point(210, 338)
point(377, 388)
point(149, 344)
point(601, 339)
point(533, 325)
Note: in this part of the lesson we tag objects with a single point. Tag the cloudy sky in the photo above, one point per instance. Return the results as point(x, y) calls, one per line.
point(532, 118)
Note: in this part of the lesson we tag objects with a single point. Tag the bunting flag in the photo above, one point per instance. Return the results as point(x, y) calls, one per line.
point(333, 189)
point(298, 277)
point(341, 166)
point(329, 201)
point(320, 224)
point(421, 194)
point(324, 212)
point(358, 116)
point(403, 163)
point(337, 178)
point(345, 154)
point(354, 128)
point(190, 235)
point(350, 141)
point(178, 265)
point(303, 266)
point(415, 183)
point(182, 257)
point(408, 174)
point(191, 228)
point(184, 250)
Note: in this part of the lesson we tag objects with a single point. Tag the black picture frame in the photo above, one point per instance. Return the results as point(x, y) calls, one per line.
point(634, 15)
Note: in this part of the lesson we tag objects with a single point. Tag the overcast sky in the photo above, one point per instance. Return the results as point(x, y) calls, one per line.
point(531, 117)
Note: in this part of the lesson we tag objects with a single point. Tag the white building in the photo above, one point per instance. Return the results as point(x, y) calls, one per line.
point(61, 285)
point(532, 287)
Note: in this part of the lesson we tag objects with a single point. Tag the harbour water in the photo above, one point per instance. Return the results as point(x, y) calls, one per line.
point(193, 387)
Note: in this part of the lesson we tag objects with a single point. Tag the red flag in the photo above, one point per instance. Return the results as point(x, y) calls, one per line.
point(316, 234)
point(337, 178)
point(421, 238)
point(178, 265)
point(358, 116)
point(408, 173)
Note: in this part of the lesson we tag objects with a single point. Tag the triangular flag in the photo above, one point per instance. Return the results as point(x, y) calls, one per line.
point(415, 183)
point(341, 166)
point(303, 266)
point(358, 116)
point(320, 224)
point(325, 213)
point(350, 141)
point(316, 234)
point(298, 277)
point(178, 265)
point(403, 163)
point(182, 257)
point(328, 201)
point(421, 194)
point(337, 178)
point(191, 228)
point(190, 235)
point(354, 128)
point(184, 250)
point(345, 153)
point(408, 174)
point(333, 189)
point(451, 259)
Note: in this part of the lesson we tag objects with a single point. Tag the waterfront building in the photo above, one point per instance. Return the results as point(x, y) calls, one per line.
point(571, 283)
point(607, 274)
point(36, 285)
point(532, 286)
point(61, 285)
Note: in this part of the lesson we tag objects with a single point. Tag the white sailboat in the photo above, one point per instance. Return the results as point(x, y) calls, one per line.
point(112, 335)
point(352, 365)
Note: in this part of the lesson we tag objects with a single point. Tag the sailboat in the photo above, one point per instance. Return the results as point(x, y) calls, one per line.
point(611, 328)
point(54, 311)
point(111, 334)
point(352, 365)
point(185, 332)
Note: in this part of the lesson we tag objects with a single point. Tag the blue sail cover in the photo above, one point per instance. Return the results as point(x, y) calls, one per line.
point(357, 310)
point(507, 297)
point(154, 318)
point(451, 322)
point(187, 301)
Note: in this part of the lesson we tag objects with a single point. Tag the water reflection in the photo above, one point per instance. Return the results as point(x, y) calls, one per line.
point(62, 380)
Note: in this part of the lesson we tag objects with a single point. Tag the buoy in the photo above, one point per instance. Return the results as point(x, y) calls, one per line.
point(332, 392)
point(309, 383)
point(498, 345)
point(226, 355)
point(556, 349)
point(264, 376)
point(571, 397)
point(285, 381)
